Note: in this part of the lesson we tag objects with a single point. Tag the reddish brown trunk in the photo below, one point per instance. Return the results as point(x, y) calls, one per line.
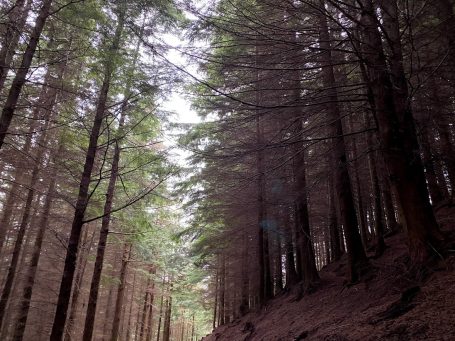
point(120, 289)
point(244, 306)
point(145, 308)
point(150, 308)
point(167, 318)
point(33, 266)
point(42, 142)
point(19, 174)
point(130, 313)
point(83, 259)
point(20, 78)
point(291, 273)
point(14, 26)
point(58, 326)
point(356, 254)
point(160, 316)
point(101, 249)
point(398, 136)
point(335, 248)
point(308, 270)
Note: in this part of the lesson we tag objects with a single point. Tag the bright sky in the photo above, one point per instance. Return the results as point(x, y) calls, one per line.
point(177, 102)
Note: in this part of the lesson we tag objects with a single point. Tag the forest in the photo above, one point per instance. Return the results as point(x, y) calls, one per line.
point(227, 170)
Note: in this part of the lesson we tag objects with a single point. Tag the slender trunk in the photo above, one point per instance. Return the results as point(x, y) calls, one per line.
point(33, 266)
point(120, 289)
point(130, 313)
point(192, 330)
point(214, 324)
point(398, 136)
point(291, 273)
point(335, 247)
point(14, 27)
point(160, 316)
point(144, 309)
point(83, 259)
point(308, 270)
point(42, 142)
point(376, 193)
point(107, 314)
point(363, 226)
point(150, 308)
point(221, 308)
point(167, 319)
point(58, 326)
point(105, 223)
point(20, 78)
point(244, 308)
point(19, 174)
point(357, 259)
point(265, 285)
point(278, 265)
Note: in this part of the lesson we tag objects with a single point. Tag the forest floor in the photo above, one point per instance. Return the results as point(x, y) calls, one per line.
point(388, 305)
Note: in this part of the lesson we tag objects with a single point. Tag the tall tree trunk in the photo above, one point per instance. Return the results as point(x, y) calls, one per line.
point(363, 226)
point(14, 27)
point(278, 265)
point(105, 223)
point(33, 266)
point(83, 259)
point(265, 285)
point(167, 319)
point(120, 289)
point(130, 313)
point(19, 174)
point(215, 311)
point(356, 255)
point(308, 270)
point(107, 317)
point(376, 193)
point(160, 316)
point(335, 247)
point(145, 308)
point(221, 308)
point(150, 308)
point(244, 307)
point(398, 136)
point(42, 142)
point(58, 326)
point(19, 80)
point(291, 273)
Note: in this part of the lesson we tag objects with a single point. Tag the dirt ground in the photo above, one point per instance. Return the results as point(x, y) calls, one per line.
point(387, 306)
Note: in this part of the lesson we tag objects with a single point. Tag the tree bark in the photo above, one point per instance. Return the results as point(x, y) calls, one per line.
point(20, 78)
point(357, 259)
point(83, 259)
point(14, 27)
point(130, 313)
point(291, 273)
point(398, 136)
point(48, 104)
point(335, 248)
point(58, 326)
point(33, 266)
point(160, 316)
point(120, 289)
point(19, 174)
point(167, 319)
point(308, 270)
point(105, 223)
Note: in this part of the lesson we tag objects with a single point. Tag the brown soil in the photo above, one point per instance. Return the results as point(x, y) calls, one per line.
point(389, 305)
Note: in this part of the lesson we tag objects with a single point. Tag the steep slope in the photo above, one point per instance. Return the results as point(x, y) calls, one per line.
point(388, 305)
